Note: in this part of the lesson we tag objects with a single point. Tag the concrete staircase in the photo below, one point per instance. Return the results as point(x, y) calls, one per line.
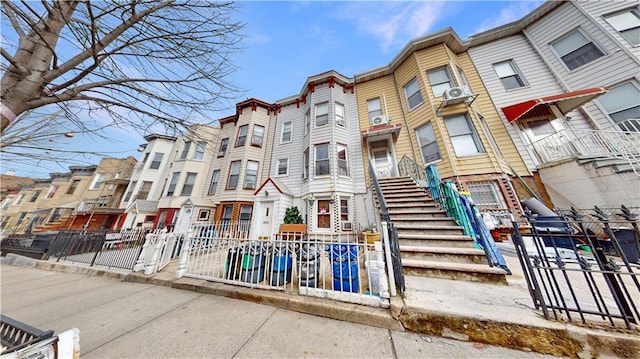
point(432, 244)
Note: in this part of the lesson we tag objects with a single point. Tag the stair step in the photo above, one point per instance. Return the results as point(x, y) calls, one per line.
point(430, 212)
point(441, 254)
point(456, 271)
point(421, 229)
point(426, 219)
point(431, 240)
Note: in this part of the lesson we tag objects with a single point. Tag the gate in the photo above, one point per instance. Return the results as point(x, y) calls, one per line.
point(583, 265)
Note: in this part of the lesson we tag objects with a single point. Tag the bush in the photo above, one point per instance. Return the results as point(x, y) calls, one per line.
point(292, 215)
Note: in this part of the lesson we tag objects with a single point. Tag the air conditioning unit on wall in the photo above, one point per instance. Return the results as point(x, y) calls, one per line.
point(346, 226)
point(455, 95)
point(380, 120)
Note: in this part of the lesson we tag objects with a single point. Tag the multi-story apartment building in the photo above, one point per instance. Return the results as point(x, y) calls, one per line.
point(86, 197)
point(569, 94)
point(240, 161)
point(314, 161)
point(182, 198)
point(430, 105)
point(140, 202)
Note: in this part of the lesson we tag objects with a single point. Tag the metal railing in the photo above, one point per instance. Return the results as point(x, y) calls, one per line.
point(611, 143)
point(407, 167)
point(16, 335)
point(461, 208)
point(573, 272)
point(392, 245)
point(322, 265)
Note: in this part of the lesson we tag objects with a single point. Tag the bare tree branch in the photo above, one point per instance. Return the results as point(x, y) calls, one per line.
point(160, 61)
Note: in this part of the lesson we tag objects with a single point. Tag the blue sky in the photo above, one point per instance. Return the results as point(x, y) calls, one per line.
point(288, 41)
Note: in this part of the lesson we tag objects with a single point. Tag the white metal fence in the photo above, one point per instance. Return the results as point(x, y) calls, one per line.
point(338, 267)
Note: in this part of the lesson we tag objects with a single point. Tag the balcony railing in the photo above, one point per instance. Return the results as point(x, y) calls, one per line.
point(572, 143)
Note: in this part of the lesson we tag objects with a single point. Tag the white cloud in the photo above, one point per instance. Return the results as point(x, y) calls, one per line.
point(514, 11)
point(409, 20)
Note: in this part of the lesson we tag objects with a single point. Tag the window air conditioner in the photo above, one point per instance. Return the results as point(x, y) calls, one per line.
point(379, 120)
point(221, 154)
point(346, 226)
point(455, 95)
point(340, 122)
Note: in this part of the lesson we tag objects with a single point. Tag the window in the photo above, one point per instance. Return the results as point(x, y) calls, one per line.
point(305, 164)
point(198, 154)
point(245, 212)
point(51, 192)
point(251, 175)
point(97, 180)
point(143, 193)
point(307, 122)
point(18, 199)
point(227, 212)
point(322, 114)
point(223, 147)
point(157, 159)
point(74, 185)
point(283, 166)
point(144, 160)
point(173, 183)
point(204, 214)
point(440, 80)
point(185, 150)
point(234, 173)
point(322, 160)
point(127, 195)
point(35, 196)
point(323, 213)
point(627, 24)
point(187, 188)
point(486, 195)
point(343, 166)
point(540, 128)
point(576, 50)
point(412, 91)
point(463, 81)
point(374, 108)
point(344, 209)
point(463, 136)
point(339, 114)
point(258, 135)
point(508, 75)
point(242, 135)
point(214, 182)
point(428, 144)
point(622, 103)
point(285, 136)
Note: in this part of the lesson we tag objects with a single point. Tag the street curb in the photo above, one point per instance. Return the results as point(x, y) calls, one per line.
point(554, 338)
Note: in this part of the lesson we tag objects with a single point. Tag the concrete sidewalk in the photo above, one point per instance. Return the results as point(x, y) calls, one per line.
point(492, 314)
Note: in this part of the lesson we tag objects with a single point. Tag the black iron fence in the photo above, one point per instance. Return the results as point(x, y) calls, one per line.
point(583, 265)
point(113, 249)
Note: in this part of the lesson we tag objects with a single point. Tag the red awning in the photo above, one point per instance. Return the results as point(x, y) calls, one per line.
point(382, 130)
point(565, 102)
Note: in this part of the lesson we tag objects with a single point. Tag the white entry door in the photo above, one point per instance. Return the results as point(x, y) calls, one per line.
point(382, 161)
point(265, 221)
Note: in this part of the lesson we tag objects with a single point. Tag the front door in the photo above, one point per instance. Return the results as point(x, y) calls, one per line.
point(265, 221)
point(381, 159)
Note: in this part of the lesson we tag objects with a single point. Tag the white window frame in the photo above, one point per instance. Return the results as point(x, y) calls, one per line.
point(51, 191)
point(173, 183)
point(317, 160)
point(339, 108)
point(243, 132)
point(189, 183)
point(198, 154)
point(492, 190)
point(257, 138)
point(374, 108)
point(322, 114)
point(97, 180)
point(224, 143)
point(342, 156)
point(185, 150)
point(421, 135)
point(615, 103)
point(213, 185)
point(307, 122)
point(157, 161)
point(409, 95)
point(305, 164)
point(460, 140)
point(438, 86)
point(286, 167)
point(287, 131)
point(508, 71)
point(234, 174)
point(562, 53)
point(251, 175)
point(627, 24)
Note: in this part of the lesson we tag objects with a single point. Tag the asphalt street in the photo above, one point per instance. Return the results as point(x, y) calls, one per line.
point(129, 320)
